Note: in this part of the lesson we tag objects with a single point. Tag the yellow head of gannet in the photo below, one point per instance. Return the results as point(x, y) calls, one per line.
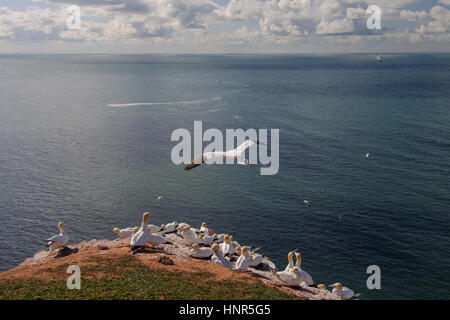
point(295, 270)
point(298, 257)
point(244, 250)
point(337, 285)
point(116, 230)
point(321, 286)
point(231, 238)
point(290, 258)
point(215, 247)
point(145, 218)
point(135, 229)
point(61, 226)
point(226, 238)
point(204, 224)
point(195, 246)
point(187, 229)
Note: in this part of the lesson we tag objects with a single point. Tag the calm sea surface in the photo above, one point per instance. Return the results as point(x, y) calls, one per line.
point(65, 155)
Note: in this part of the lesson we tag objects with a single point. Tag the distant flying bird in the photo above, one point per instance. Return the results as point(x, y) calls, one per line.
point(306, 202)
point(379, 59)
point(367, 155)
point(235, 154)
point(159, 198)
point(58, 240)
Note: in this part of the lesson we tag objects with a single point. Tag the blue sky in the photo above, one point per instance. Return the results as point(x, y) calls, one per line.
point(224, 26)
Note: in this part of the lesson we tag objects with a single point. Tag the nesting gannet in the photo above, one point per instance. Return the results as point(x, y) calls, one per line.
point(207, 239)
point(140, 237)
point(305, 276)
point(322, 288)
point(218, 258)
point(237, 154)
point(170, 227)
point(220, 237)
point(343, 292)
point(200, 252)
point(244, 260)
point(203, 228)
point(226, 247)
point(123, 233)
point(294, 277)
point(152, 228)
point(156, 239)
point(182, 225)
point(378, 57)
point(189, 236)
point(367, 155)
point(59, 240)
point(255, 259)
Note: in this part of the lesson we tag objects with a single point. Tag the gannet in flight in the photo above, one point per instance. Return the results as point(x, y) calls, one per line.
point(378, 57)
point(159, 198)
point(140, 237)
point(59, 240)
point(237, 154)
point(244, 260)
point(306, 202)
point(343, 292)
point(367, 155)
point(218, 258)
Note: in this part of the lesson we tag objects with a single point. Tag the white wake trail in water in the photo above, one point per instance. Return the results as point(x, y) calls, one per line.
point(123, 105)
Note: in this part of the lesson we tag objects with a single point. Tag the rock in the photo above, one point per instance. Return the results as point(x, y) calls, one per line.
point(165, 260)
point(64, 252)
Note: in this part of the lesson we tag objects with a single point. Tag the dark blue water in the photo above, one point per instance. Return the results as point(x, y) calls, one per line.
point(65, 155)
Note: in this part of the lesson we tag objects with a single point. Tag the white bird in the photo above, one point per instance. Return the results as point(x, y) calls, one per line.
point(237, 154)
point(226, 247)
point(303, 275)
point(159, 198)
point(140, 237)
point(378, 57)
point(306, 202)
point(203, 228)
point(255, 259)
point(200, 252)
point(367, 155)
point(170, 227)
point(152, 228)
point(218, 258)
point(207, 239)
point(243, 262)
point(190, 236)
point(220, 237)
point(182, 225)
point(156, 239)
point(123, 233)
point(343, 292)
point(59, 240)
point(290, 261)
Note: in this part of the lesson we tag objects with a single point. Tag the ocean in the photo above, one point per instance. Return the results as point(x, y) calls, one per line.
point(86, 139)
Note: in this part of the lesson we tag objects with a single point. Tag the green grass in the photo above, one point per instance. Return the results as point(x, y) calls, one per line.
point(127, 278)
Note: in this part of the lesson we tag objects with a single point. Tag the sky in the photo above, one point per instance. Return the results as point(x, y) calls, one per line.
point(223, 26)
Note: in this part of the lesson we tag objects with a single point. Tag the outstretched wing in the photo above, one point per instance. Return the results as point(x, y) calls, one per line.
point(195, 163)
point(244, 146)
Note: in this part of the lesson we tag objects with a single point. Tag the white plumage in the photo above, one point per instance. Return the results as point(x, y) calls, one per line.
point(59, 240)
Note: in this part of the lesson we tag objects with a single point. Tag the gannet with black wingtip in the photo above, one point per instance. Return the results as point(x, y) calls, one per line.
point(123, 233)
point(244, 260)
point(189, 236)
point(343, 292)
point(200, 252)
point(255, 259)
point(237, 154)
point(170, 227)
point(218, 258)
point(59, 240)
point(207, 239)
point(140, 237)
point(203, 228)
